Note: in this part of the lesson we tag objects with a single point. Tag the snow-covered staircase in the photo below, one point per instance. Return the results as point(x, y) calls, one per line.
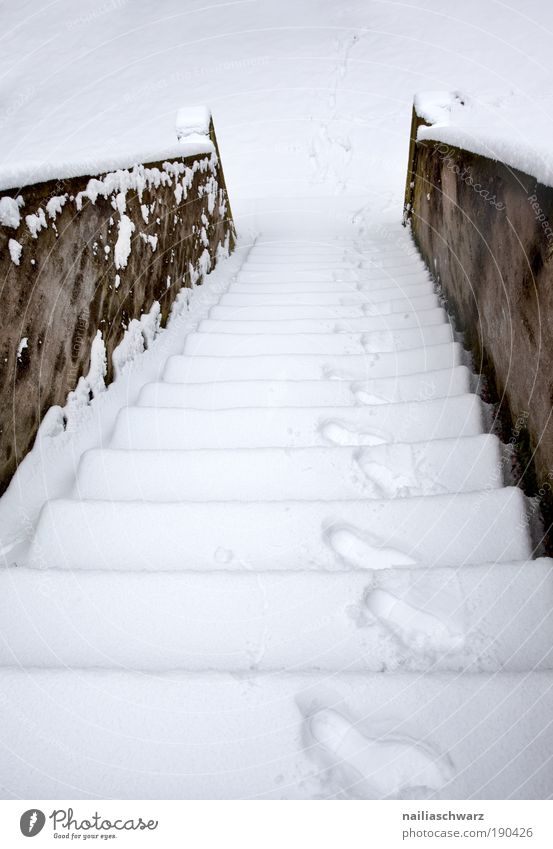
point(295, 571)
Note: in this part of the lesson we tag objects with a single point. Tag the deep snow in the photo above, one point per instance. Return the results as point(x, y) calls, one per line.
point(336, 508)
point(307, 97)
point(509, 128)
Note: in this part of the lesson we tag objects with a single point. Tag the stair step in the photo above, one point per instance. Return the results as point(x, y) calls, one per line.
point(369, 276)
point(387, 261)
point(126, 735)
point(450, 530)
point(181, 369)
point(484, 618)
point(380, 292)
point(260, 262)
point(297, 427)
point(406, 274)
point(316, 251)
point(400, 303)
point(385, 265)
point(397, 259)
point(332, 316)
point(252, 344)
point(361, 312)
point(306, 393)
point(315, 246)
point(407, 328)
point(294, 570)
point(276, 474)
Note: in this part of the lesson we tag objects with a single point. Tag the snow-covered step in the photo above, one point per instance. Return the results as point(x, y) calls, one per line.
point(268, 262)
point(316, 250)
point(269, 259)
point(371, 277)
point(306, 393)
point(276, 474)
point(436, 530)
point(407, 328)
point(297, 276)
point(297, 427)
point(369, 249)
point(375, 277)
point(307, 499)
point(331, 312)
point(124, 735)
point(311, 248)
point(381, 292)
point(385, 265)
point(383, 304)
point(376, 259)
point(335, 316)
point(374, 342)
point(484, 618)
point(181, 369)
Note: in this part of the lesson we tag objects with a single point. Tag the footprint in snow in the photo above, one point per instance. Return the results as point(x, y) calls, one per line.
point(438, 629)
point(223, 555)
point(362, 396)
point(338, 433)
point(380, 342)
point(365, 551)
point(392, 473)
point(377, 767)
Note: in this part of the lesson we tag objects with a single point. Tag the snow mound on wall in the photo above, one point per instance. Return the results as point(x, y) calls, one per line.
point(192, 121)
point(192, 128)
point(507, 128)
point(9, 212)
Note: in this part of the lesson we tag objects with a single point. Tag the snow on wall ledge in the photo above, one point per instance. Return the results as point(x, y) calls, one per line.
point(486, 232)
point(91, 267)
point(507, 128)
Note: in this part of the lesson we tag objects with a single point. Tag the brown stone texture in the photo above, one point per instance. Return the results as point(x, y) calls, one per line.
point(484, 230)
point(64, 289)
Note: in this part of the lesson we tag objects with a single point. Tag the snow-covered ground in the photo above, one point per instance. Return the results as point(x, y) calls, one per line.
point(308, 97)
point(281, 550)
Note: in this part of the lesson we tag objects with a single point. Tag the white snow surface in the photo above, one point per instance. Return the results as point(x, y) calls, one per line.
point(23, 345)
point(511, 128)
point(122, 250)
point(304, 528)
point(279, 555)
point(55, 205)
point(192, 120)
point(307, 98)
point(9, 212)
point(15, 248)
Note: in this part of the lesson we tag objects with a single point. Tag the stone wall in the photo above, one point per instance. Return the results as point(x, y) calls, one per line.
point(484, 232)
point(84, 256)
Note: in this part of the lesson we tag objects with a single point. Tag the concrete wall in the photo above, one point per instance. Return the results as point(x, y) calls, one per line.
point(72, 279)
point(484, 231)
